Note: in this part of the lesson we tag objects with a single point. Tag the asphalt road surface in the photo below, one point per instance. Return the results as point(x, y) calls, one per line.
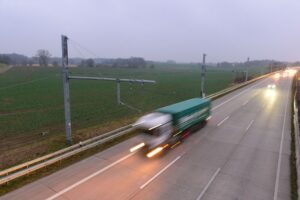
point(242, 153)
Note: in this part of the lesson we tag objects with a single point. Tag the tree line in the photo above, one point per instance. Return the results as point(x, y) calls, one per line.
point(253, 63)
point(44, 58)
point(133, 62)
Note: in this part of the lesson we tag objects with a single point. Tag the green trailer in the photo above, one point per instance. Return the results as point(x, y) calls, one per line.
point(188, 113)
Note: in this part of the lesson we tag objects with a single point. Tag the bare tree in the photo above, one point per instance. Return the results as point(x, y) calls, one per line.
point(87, 63)
point(90, 62)
point(43, 56)
point(55, 63)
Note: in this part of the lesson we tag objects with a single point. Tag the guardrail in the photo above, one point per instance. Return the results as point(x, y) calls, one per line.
point(49, 158)
point(38, 163)
point(61, 157)
point(235, 87)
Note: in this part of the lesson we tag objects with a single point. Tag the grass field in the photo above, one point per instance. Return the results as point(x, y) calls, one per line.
point(31, 102)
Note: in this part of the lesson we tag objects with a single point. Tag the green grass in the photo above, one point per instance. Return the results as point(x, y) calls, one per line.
point(31, 100)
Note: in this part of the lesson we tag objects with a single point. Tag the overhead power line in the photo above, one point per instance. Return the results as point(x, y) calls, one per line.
point(67, 78)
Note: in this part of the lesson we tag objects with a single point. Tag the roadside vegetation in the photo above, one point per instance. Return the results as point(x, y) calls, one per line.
point(293, 158)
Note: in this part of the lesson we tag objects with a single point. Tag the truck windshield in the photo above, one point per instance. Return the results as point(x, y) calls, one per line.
point(154, 132)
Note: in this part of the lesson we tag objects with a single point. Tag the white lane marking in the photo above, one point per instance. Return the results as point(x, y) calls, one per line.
point(228, 100)
point(245, 102)
point(89, 177)
point(208, 184)
point(161, 171)
point(221, 122)
point(280, 150)
point(250, 124)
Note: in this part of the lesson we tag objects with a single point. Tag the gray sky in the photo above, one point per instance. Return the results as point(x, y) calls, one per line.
point(181, 30)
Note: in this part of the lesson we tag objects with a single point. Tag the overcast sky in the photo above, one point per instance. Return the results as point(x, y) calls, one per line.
point(181, 30)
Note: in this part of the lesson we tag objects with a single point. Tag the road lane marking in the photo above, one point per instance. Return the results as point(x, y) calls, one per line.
point(250, 124)
point(228, 100)
point(245, 102)
point(160, 172)
point(221, 122)
point(208, 184)
point(280, 150)
point(89, 177)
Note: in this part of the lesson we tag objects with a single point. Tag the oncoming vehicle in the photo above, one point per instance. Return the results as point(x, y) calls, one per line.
point(168, 126)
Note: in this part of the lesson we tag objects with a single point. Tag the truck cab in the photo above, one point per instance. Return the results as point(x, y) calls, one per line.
point(155, 129)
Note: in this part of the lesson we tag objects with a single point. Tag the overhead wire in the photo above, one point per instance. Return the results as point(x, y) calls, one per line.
point(84, 48)
point(78, 47)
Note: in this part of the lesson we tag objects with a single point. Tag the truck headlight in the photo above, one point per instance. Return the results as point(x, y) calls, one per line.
point(154, 152)
point(137, 147)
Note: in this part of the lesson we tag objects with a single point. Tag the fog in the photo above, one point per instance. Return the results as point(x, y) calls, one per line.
point(230, 30)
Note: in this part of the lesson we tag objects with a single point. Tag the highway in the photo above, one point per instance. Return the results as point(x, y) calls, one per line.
point(242, 153)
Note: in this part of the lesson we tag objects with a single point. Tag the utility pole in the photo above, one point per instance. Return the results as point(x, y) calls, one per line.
point(235, 73)
point(118, 91)
point(67, 78)
point(202, 94)
point(247, 69)
point(271, 67)
point(64, 45)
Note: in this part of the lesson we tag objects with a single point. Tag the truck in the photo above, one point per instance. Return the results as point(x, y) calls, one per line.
point(168, 126)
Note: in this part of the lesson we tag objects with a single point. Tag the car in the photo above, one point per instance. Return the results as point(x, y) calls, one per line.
point(271, 86)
